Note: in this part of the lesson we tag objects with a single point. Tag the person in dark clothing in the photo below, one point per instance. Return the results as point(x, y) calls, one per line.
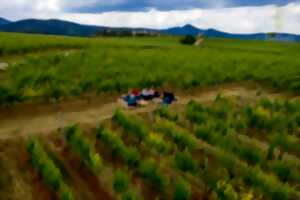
point(132, 101)
point(156, 94)
point(168, 98)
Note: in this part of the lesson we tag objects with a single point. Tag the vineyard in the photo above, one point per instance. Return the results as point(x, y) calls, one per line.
point(106, 65)
point(226, 149)
point(243, 144)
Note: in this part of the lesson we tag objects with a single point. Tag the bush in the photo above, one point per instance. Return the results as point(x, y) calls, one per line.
point(267, 104)
point(131, 125)
point(182, 190)
point(188, 40)
point(131, 156)
point(251, 154)
point(182, 138)
point(66, 193)
point(259, 118)
point(225, 191)
point(84, 148)
point(150, 173)
point(221, 127)
point(282, 171)
point(165, 113)
point(9, 96)
point(279, 193)
point(121, 181)
point(193, 105)
point(203, 132)
point(50, 173)
point(221, 108)
point(185, 162)
point(156, 141)
point(195, 113)
point(196, 117)
point(130, 195)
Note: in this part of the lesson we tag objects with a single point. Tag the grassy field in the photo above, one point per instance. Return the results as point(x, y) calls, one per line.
point(117, 64)
point(214, 146)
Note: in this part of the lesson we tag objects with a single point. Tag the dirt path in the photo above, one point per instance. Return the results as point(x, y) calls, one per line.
point(48, 122)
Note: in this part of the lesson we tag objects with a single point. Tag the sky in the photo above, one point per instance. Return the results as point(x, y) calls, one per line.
point(234, 16)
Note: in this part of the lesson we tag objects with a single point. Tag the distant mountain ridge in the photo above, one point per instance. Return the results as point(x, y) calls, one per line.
point(52, 26)
point(192, 30)
point(4, 21)
point(185, 30)
point(60, 27)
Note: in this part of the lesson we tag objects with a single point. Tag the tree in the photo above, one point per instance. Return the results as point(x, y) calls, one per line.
point(188, 40)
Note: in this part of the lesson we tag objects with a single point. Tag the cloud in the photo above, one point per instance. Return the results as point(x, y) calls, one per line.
point(267, 18)
point(77, 5)
point(15, 6)
point(167, 5)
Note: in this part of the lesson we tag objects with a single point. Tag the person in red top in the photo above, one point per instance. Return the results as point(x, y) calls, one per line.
point(135, 92)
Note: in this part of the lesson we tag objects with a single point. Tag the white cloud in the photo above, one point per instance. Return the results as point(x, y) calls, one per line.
point(77, 4)
point(235, 20)
point(15, 8)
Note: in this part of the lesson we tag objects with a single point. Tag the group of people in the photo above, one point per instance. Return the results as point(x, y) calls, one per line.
point(137, 97)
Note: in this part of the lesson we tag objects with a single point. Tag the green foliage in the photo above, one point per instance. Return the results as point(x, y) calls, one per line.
point(251, 154)
point(157, 142)
point(225, 191)
point(182, 190)
point(185, 162)
point(66, 193)
point(220, 108)
point(193, 105)
point(269, 185)
point(164, 112)
point(149, 171)
point(84, 148)
point(9, 96)
point(271, 150)
point(297, 119)
point(131, 125)
point(267, 104)
point(107, 65)
point(111, 140)
point(286, 142)
point(229, 142)
point(204, 132)
point(188, 40)
point(121, 181)
point(258, 118)
point(100, 64)
point(180, 137)
point(17, 43)
point(195, 113)
point(130, 155)
point(50, 173)
point(130, 195)
point(283, 171)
